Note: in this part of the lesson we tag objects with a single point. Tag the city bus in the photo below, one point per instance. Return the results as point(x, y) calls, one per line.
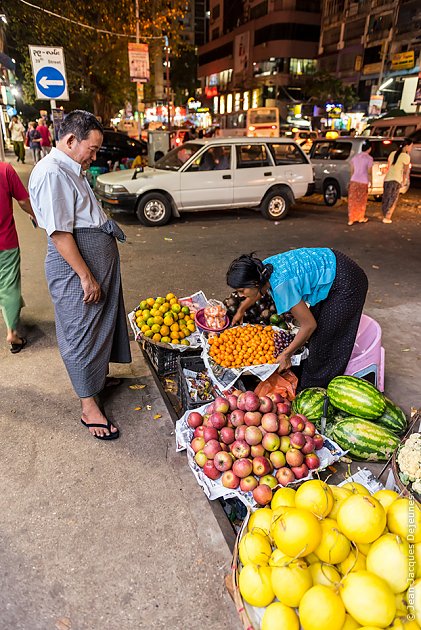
point(263, 122)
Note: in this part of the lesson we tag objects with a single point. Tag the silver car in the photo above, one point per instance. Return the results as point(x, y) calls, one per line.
point(416, 154)
point(331, 160)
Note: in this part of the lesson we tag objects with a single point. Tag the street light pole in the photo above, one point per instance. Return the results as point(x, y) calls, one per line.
point(167, 79)
point(138, 84)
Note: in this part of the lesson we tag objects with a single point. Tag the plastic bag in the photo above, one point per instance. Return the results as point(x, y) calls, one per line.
point(285, 385)
point(214, 314)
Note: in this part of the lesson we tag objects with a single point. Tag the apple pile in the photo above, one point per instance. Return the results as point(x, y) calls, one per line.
point(253, 443)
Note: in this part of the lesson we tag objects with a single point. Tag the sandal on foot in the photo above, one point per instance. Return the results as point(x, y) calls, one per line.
point(112, 381)
point(386, 220)
point(17, 347)
point(363, 220)
point(350, 222)
point(111, 436)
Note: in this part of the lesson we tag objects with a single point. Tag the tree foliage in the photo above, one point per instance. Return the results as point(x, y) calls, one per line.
point(323, 88)
point(96, 63)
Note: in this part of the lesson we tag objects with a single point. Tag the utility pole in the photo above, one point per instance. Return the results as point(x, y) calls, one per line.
point(167, 79)
point(139, 86)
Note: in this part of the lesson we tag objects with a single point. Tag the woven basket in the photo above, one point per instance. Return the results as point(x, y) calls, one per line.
point(404, 490)
point(235, 594)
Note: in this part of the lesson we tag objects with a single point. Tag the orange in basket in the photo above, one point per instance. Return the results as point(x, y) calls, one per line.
point(243, 345)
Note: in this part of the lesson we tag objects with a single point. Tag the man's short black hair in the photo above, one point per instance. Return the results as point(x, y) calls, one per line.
point(80, 124)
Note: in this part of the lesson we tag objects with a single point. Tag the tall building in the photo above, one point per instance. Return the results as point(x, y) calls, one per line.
point(258, 53)
point(374, 45)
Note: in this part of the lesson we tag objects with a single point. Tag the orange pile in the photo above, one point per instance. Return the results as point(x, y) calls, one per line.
point(243, 345)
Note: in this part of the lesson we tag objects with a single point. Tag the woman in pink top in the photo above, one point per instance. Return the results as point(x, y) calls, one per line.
point(361, 174)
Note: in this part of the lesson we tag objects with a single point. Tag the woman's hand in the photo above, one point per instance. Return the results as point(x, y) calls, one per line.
point(238, 318)
point(284, 360)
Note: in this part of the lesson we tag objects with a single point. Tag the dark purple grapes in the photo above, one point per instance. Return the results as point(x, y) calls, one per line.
point(282, 340)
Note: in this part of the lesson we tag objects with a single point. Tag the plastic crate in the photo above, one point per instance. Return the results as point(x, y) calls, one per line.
point(165, 361)
point(194, 364)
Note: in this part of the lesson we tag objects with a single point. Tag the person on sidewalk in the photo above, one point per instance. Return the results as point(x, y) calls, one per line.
point(17, 136)
point(34, 138)
point(361, 181)
point(332, 284)
point(11, 302)
point(45, 137)
point(399, 164)
point(82, 266)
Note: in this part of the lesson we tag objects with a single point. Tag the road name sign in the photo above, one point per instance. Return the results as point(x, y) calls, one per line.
point(49, 72)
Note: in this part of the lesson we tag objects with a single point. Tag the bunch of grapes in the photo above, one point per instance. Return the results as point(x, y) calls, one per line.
point(282, 340)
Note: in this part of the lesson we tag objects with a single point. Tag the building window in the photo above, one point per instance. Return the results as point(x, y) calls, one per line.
point(237, 102)
point(216, 12)
point(246, 100)
point(215, 33)
point(216, 54)
point(222, 105)
point(229, 103)
point(333, 7)
point(259, 10)
point(310, 6)
point(302, 66)
point(354, 29)
point(287, 31)
point(331, 36)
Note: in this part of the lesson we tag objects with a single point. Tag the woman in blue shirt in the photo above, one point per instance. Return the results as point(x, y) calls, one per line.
point(332, 285)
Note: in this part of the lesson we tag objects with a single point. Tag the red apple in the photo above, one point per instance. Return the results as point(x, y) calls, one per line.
point(242, 467)
point(308, 446)
point(237, 417)
point(253, 435)
point(240, 432)
point(277, 398)
point(224, 447)
point(210, 433)
point(309, 429)
point(257, 450)
point(217, 420)
point(211, 448)
point(210, 409)
point(312, 461)
point(271, 441)
point(269, 480)
point(206, 420)
point(252, 401)
point(284, 476)
point(300, 471)
point(229, 480)
point(248, 484)
point(294, 457)
point(277, 458)
point(223, 461)
point(261, 466)
point(297, 440)
point(284, 427)
point(200, 459)
point(229, 423)
point(236, 392)
point(197, 444)
point(283, 408)
point(210, 470)
point(221, 405)
point(297, 422)
point(270, 422)
point(285, 444)
point(318, 441)
point(194, 419)
point(198, 432)
point(266, 404)
point(232, 400)
point(262, 494)
point(240, 449)
point(252, 418)
point(227, 435)
point(241, 401)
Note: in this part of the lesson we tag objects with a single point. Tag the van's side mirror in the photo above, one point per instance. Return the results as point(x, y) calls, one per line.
point(137, 170)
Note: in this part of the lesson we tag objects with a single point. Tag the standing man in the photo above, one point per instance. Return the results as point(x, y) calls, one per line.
point(45, 137)
point(17, 136)
point(82, 265)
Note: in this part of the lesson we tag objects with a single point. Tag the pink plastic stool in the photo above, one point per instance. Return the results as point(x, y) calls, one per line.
point(368, 354)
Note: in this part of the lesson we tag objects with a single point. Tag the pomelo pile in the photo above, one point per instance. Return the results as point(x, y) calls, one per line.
point(334, 558)
point(165, 320)
point(253, 444)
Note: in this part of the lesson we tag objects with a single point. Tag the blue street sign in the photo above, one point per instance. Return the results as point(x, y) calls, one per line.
point(50, 82)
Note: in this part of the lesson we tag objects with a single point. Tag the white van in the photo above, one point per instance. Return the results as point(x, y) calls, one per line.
point(396, 127)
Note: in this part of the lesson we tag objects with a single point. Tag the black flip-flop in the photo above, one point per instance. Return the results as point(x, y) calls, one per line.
point(112, 381)
point(17, 347)
point(111, 436)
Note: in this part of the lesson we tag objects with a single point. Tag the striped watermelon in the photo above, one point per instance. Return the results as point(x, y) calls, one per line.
point(393, 418)
point(364, 439)
point(356, 396)
point(310, 403)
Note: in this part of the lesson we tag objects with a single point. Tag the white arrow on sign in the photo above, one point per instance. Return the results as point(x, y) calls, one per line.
point(46, 83)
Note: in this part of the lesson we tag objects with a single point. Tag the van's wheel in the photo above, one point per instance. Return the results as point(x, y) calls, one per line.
point(153, 209)
point(276, 205)
point(331, 192)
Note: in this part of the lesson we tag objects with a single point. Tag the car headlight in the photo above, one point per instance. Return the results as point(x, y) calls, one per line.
point(111, 189)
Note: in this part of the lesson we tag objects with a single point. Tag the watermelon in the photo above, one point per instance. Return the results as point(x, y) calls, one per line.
point(393, 418)
point(364, 439)
point(310, 403)
point(356, 397)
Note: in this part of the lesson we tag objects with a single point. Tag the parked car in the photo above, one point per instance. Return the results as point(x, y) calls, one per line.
point(117, 146)
point(416, 154)
point(331, 160)
point(394, 127)
point(221, 173)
